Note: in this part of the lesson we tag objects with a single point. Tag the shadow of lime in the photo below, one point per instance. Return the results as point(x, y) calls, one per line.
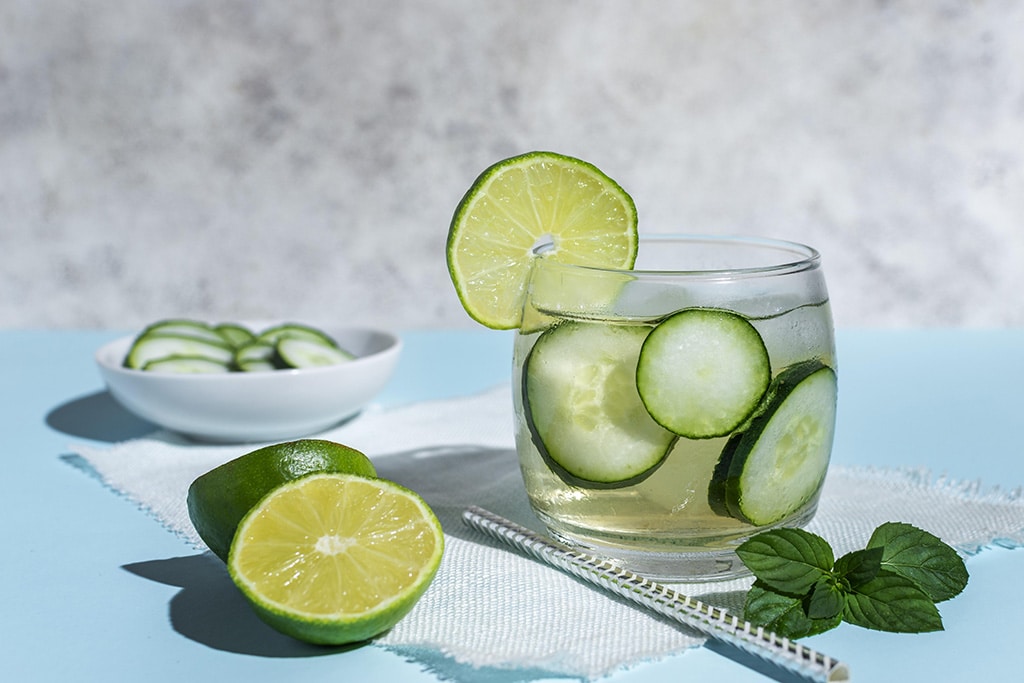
point(209, 609)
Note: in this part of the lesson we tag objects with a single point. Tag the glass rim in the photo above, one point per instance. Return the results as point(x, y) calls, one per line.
point(802, 257)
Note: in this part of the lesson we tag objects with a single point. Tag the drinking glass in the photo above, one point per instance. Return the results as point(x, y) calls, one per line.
point(665, 414)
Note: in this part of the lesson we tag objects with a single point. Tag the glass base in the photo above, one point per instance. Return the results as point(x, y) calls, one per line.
point(694, 566)
point(692, 560)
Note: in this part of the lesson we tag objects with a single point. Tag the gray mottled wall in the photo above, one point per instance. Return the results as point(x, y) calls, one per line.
point(243, 159)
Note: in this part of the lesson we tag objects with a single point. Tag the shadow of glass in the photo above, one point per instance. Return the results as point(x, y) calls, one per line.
point(451, 478)
point(98, 417)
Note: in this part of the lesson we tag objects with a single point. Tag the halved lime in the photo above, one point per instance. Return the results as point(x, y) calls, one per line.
point(218, 500)
point(535, 205)
point(336, 558)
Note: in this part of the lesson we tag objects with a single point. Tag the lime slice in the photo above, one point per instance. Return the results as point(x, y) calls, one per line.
point(218, 500)
point(536, 205)
point(336, 558)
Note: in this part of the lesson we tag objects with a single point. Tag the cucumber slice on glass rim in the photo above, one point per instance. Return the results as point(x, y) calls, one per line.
point(775, 467)
point(582, 406)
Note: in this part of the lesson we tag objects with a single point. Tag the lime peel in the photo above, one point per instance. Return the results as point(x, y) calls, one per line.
point(219, 499)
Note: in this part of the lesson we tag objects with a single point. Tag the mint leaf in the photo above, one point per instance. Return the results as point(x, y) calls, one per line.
point(783, 614)
point(826, 600)
point(923, 558)
point(787, 560)
point(891, 585)
point(860, 566)
point(891, 602)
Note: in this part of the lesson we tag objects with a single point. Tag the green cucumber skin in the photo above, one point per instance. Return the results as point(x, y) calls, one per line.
point(725, 492)
point(537, 438)
point(718, 487)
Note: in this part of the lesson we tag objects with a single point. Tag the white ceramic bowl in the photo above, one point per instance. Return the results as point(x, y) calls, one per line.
point(256, 406)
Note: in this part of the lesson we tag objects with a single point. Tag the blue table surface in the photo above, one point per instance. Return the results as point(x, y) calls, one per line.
point(93, 589)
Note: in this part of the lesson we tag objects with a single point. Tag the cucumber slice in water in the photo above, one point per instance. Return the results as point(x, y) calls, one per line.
point(776, 467)
point(582, 406)
point(702, 372)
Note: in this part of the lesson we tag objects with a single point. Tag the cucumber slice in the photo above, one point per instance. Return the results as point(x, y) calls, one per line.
point(582, 407)
point(186, 365)
point(257, 366)
point(234, 334)
point(294, 330)
point(702, 372)
point(299, 352)
point(776, 467)
point(182, 327)
point(256, 355)
point(156, 345)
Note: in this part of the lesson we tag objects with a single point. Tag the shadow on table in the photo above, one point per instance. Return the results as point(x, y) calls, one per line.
point(209, 609)
point(98, 417)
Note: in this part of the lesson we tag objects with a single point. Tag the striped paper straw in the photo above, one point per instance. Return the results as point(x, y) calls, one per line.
point(713, 622)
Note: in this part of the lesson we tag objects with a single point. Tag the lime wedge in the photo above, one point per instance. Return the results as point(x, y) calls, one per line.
point(336, 558)
point(536, 205)
point(219, 499)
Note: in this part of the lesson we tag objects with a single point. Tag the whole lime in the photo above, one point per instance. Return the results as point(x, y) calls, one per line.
point(218, 500)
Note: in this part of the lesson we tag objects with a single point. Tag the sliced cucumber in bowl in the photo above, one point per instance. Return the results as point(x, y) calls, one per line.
point(299, 352)
point(256, 356)
point(276, 333)
point(183, 327)
point(235, 334)
point(236, 346)
point(582, 407)
point(775, 468)
point(155, 345)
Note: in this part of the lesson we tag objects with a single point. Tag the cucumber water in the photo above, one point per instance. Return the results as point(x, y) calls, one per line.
point(624, 425)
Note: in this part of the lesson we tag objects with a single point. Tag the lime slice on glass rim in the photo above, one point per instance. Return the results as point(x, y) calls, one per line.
point(335, 558)
point(535, 205)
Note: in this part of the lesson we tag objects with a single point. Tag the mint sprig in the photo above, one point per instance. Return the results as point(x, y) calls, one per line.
point(891, 585)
